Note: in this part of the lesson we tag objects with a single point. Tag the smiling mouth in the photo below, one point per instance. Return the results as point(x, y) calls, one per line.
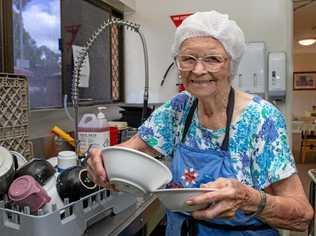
point(202, 81)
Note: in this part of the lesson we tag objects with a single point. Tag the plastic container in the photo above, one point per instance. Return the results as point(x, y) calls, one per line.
point(66, 159)
point(93, 129)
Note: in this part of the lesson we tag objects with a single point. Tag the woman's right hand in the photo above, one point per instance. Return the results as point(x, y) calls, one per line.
point(96, 168)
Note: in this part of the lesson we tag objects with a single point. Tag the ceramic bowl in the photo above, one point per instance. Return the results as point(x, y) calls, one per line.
point(73, 183)
point(175, 199)
point(19, 159)
point(6, 170)
point(39, 168)
point(134, 171)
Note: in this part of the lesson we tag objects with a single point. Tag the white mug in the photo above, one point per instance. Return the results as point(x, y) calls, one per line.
point(51, 190)
point(66, 159)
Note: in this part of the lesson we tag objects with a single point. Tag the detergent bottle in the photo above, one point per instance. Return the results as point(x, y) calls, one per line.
point(93, 129)
point(103, 122)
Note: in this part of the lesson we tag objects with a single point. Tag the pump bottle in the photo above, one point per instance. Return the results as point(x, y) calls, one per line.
point(93, 129)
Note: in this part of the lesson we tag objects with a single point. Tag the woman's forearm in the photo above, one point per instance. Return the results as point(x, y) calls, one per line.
point(293, 213)
point(137, 143)
point(287, 213)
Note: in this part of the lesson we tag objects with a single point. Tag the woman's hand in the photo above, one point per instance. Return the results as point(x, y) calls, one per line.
point(96, 168)
point(230, 195)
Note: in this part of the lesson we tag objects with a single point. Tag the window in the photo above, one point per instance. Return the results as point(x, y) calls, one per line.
point(43, 35)
point(105, 56)
point(6, 64)
point(1, 36)
point(36, 31)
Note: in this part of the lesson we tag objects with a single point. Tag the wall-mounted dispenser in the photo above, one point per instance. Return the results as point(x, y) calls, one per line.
point(277, 75)
point(252, 73)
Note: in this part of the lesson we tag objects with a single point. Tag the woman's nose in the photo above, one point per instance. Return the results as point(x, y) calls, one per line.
point(199, 68)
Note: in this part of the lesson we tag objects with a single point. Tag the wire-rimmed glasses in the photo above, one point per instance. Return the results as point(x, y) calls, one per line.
point(211, 63)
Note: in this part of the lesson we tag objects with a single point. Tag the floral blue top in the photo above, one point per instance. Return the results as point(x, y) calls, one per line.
point(258, 143)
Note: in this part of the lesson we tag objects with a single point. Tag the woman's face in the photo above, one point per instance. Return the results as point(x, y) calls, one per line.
point(203, 79)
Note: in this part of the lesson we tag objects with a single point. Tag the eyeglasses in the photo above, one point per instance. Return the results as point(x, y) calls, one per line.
point(211, 63)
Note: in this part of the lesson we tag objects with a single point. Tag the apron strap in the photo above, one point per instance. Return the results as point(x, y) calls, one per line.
point(229, 115)
point(189, 119)
point(188, 228)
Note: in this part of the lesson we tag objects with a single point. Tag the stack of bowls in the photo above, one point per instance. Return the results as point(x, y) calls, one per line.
point(136, 172)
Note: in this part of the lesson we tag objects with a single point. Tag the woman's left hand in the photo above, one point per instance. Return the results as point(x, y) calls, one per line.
point(230, 195)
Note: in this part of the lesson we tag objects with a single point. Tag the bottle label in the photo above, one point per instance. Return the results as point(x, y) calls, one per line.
point(101, 139)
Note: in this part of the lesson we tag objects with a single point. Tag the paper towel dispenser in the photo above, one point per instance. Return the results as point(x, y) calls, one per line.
point(252, 73)
point(277, 75)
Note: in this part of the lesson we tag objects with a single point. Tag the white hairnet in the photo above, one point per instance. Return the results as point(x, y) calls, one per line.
point(216, 25)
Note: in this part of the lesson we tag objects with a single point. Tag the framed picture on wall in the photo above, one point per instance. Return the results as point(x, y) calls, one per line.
point(304, 80)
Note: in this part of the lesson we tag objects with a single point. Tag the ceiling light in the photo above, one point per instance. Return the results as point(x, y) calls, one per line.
point(307, 42)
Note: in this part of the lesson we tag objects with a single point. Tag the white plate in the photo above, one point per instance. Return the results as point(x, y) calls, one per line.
point(53, 161)
point(134, 171)
point(175, 198)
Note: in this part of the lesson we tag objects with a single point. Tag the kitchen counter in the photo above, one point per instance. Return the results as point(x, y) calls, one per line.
point(140, 219)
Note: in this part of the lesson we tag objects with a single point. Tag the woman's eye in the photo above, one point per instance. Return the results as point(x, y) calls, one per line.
point(188, 59)
point(213, 59)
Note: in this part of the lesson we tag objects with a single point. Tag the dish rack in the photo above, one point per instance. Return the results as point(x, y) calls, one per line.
point(14, 115)
point(73, 219)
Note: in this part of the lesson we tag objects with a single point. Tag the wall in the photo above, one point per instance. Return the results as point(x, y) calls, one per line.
point(269, 21)
point(266, 21)
point(303, 100)
point(126, 6)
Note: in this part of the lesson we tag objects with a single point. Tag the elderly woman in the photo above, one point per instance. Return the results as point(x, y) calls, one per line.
point(218, 137)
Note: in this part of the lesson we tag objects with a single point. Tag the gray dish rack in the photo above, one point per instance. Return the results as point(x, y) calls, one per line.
point(73, 219)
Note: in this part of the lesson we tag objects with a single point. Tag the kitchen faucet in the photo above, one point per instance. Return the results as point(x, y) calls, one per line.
point(82, 56)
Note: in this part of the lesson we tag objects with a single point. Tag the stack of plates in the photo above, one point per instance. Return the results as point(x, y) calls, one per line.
point(175, 199)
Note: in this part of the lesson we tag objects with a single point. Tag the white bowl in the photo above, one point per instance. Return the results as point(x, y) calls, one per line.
point(134, 171)
point(19, 158)
point(175, 199)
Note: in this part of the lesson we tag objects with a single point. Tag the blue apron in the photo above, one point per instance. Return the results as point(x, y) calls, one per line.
point(192, 167)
